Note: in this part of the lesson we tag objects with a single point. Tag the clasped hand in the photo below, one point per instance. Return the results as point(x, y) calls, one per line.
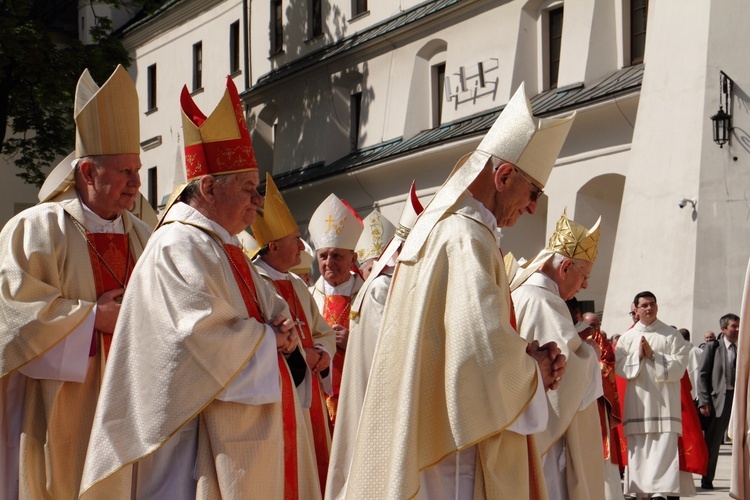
point(286, 337)
point(551, 362)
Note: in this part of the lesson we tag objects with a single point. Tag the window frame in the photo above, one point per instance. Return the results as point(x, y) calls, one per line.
point(198, 66)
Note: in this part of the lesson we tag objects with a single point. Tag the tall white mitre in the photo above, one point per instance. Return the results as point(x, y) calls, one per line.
point(376, 234)
point(517, 137)
point(334, 224)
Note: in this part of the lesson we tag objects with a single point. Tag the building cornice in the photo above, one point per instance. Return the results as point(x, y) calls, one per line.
point(398, 30)
point(172, 14)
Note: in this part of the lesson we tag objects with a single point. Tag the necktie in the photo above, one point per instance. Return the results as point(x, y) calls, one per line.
point(732, 364)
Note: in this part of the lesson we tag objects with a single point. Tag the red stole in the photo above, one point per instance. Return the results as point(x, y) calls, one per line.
point(610, 414)
point(244, 279)
point(318, 412)
point(115, 251)
point(336, 311)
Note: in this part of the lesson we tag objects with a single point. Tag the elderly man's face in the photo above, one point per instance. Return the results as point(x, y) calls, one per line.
point(575, 277)
point(709, 336)
point(334, 264)
point(287, 251)
point(519, 195)
point(236, 201)
point(111, 183)
point(592, 320)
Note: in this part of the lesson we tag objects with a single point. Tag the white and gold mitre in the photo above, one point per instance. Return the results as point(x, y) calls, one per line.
point(530, 144)
point(575, 241)
point(107, 121)
point(334, 224)
point(276, 221)
point(376, 234)
point(516, 137)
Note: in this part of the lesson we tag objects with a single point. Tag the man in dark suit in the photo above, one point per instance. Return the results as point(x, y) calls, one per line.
point(716, 389)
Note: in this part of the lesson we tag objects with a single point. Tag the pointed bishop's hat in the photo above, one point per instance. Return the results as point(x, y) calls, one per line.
point(570, 239)
point(335, 224)
point(276, 221)
point(375, 236)
point(516, 137)
point(106, 117)
point(217, 144)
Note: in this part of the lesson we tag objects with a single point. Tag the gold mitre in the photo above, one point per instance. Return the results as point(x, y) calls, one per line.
point(335, 224)
point(575, 241)
point(276, 221)
point(106, 117)
point(376, 234)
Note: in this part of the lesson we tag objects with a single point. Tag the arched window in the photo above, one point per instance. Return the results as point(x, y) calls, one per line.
point(427, 89)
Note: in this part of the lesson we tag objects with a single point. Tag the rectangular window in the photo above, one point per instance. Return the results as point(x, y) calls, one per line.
point(555, 43)
point(356, 114)
point(151, 83)
point(152, 188)
point(438, 91)
point(359, 7)
point(316, 21)
point(277, 28)
point(638, 15)
point(234, 47)
point(197, 66)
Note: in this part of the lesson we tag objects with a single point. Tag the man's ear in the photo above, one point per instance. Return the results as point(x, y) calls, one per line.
point(502, 174)
point(207, 184)
point(86, 167)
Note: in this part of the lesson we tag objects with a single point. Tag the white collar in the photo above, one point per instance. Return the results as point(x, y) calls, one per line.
point(542, 280)
point(95, 224)
point(272, 273)
point(346, 288)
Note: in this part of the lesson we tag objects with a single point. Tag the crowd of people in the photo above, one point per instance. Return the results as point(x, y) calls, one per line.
point(183, 357)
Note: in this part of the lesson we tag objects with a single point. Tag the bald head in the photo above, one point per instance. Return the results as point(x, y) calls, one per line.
point(592, 320)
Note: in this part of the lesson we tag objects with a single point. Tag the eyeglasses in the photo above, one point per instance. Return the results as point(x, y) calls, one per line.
point(585, 277)
point(535, 195)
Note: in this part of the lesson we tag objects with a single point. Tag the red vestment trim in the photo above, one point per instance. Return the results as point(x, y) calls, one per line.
point(318, 411)
point(113, 249)
point(336, 311)
point(244, 278)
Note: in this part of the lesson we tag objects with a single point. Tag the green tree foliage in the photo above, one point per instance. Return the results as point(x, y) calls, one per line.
point(41, 59)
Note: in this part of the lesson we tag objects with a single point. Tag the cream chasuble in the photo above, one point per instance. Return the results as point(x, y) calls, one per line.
point(739, 424)
point(182, 349)
point(359, 354)
point(449, 372)
point(542, 315)
point(48, 292)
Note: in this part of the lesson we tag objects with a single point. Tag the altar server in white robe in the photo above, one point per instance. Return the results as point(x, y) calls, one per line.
point(652, 357)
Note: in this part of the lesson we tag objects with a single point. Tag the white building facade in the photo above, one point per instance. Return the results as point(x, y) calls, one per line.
point(361, 97)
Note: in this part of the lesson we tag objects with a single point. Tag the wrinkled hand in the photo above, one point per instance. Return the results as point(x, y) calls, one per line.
point(107, 310)
point(317, 359)
point(705, 410)
point(342, 336)
point(286, 337)
point(645, 350)
point(551, 363)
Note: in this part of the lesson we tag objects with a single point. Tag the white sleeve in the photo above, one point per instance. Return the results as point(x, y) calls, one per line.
point(258, 382)
point(68, 361)
point(595, 388)
point(534, 417)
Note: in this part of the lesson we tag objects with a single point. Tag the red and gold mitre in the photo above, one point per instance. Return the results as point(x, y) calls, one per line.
point(217, 144)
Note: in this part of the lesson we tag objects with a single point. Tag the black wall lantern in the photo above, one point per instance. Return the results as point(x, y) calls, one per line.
point(722, 120)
